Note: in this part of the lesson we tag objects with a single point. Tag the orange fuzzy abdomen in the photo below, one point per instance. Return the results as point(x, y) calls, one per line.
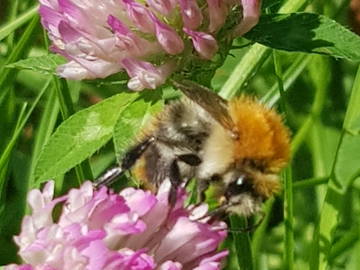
point(262, 134)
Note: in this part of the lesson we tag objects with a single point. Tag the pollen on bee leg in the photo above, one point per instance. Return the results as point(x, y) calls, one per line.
point(222, 200)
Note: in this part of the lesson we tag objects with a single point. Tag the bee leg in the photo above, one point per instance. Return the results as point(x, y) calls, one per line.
point(127, 162)
point(190, 159)
point(175, 180)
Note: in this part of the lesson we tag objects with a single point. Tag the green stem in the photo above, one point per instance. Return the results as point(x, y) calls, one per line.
point(242, 243)
point(289, 77)
point(310, 182)
point(7, 75)
point(5, 155)
point(288, 220)
point(63, 93)
point(288, 188)
point(12, 17)
point(260, 233)
point(44, 130)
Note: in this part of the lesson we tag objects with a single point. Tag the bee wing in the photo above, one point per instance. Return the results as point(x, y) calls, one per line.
point(215, 105)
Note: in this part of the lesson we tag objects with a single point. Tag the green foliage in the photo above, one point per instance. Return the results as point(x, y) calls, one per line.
point(53, 128)
point(133, 119)
point(306, 32)
point(43, 64)
point(80, 136)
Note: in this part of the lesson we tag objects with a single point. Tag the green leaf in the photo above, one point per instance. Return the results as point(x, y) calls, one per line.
point(133, 119)
point(306, 32)
point(45, 64)
point(345, 170)
point(80, 136)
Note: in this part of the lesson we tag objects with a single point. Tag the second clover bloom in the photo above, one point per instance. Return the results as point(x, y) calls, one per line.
point(133, 230)
point(96, 37)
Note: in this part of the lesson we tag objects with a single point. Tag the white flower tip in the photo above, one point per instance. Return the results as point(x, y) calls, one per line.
point(73, 70)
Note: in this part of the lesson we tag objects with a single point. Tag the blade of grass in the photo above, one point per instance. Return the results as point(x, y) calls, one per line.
point(288, 188)
point(294, 5)
point(310, 182)
point(246, 68)
point(342, 176)
point(319, 72)
point(6, 154)
point(254, 58)
point(22, 47)
point(8, 111)
point(259, 235)
point(10, 27)
point(289, 77)
point(288, 220)
point(44, 130)
point(348, 240)
point(242, 243)
point(12, 16)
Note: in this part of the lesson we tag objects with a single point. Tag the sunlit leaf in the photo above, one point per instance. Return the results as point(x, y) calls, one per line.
point(80, 136)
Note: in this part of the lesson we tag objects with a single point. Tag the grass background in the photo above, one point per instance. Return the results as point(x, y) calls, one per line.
point(312, 224)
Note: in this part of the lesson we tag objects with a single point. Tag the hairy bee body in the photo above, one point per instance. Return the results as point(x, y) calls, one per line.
point(181, 129)
point(244, 167)
point(239, 146)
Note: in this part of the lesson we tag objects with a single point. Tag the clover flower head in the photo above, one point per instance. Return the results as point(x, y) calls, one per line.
point(100, 229)
point(100, 38)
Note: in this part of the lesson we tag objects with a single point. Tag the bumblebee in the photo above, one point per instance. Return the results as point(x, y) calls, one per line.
point(239, 146)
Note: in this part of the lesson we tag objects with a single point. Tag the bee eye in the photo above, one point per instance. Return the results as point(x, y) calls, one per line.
point(240, 180)
point(239, 185)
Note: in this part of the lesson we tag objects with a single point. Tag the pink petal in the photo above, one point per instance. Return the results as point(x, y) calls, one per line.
point(143, 74)
point(97, 253)
point(191, 13)
point(218, 10)
point(251, 14)
point(129, 42)
point(205, 44)
point(162, 6)
point(138, 200)
point(208, 266)
point(128, 228)
point(170, 265)
point(182, 233)
point(169, 40)
point(73, 13)
point(140, 16)
point(50, 19)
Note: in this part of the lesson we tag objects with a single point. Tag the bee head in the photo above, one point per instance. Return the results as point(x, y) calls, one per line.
point(245, 188)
